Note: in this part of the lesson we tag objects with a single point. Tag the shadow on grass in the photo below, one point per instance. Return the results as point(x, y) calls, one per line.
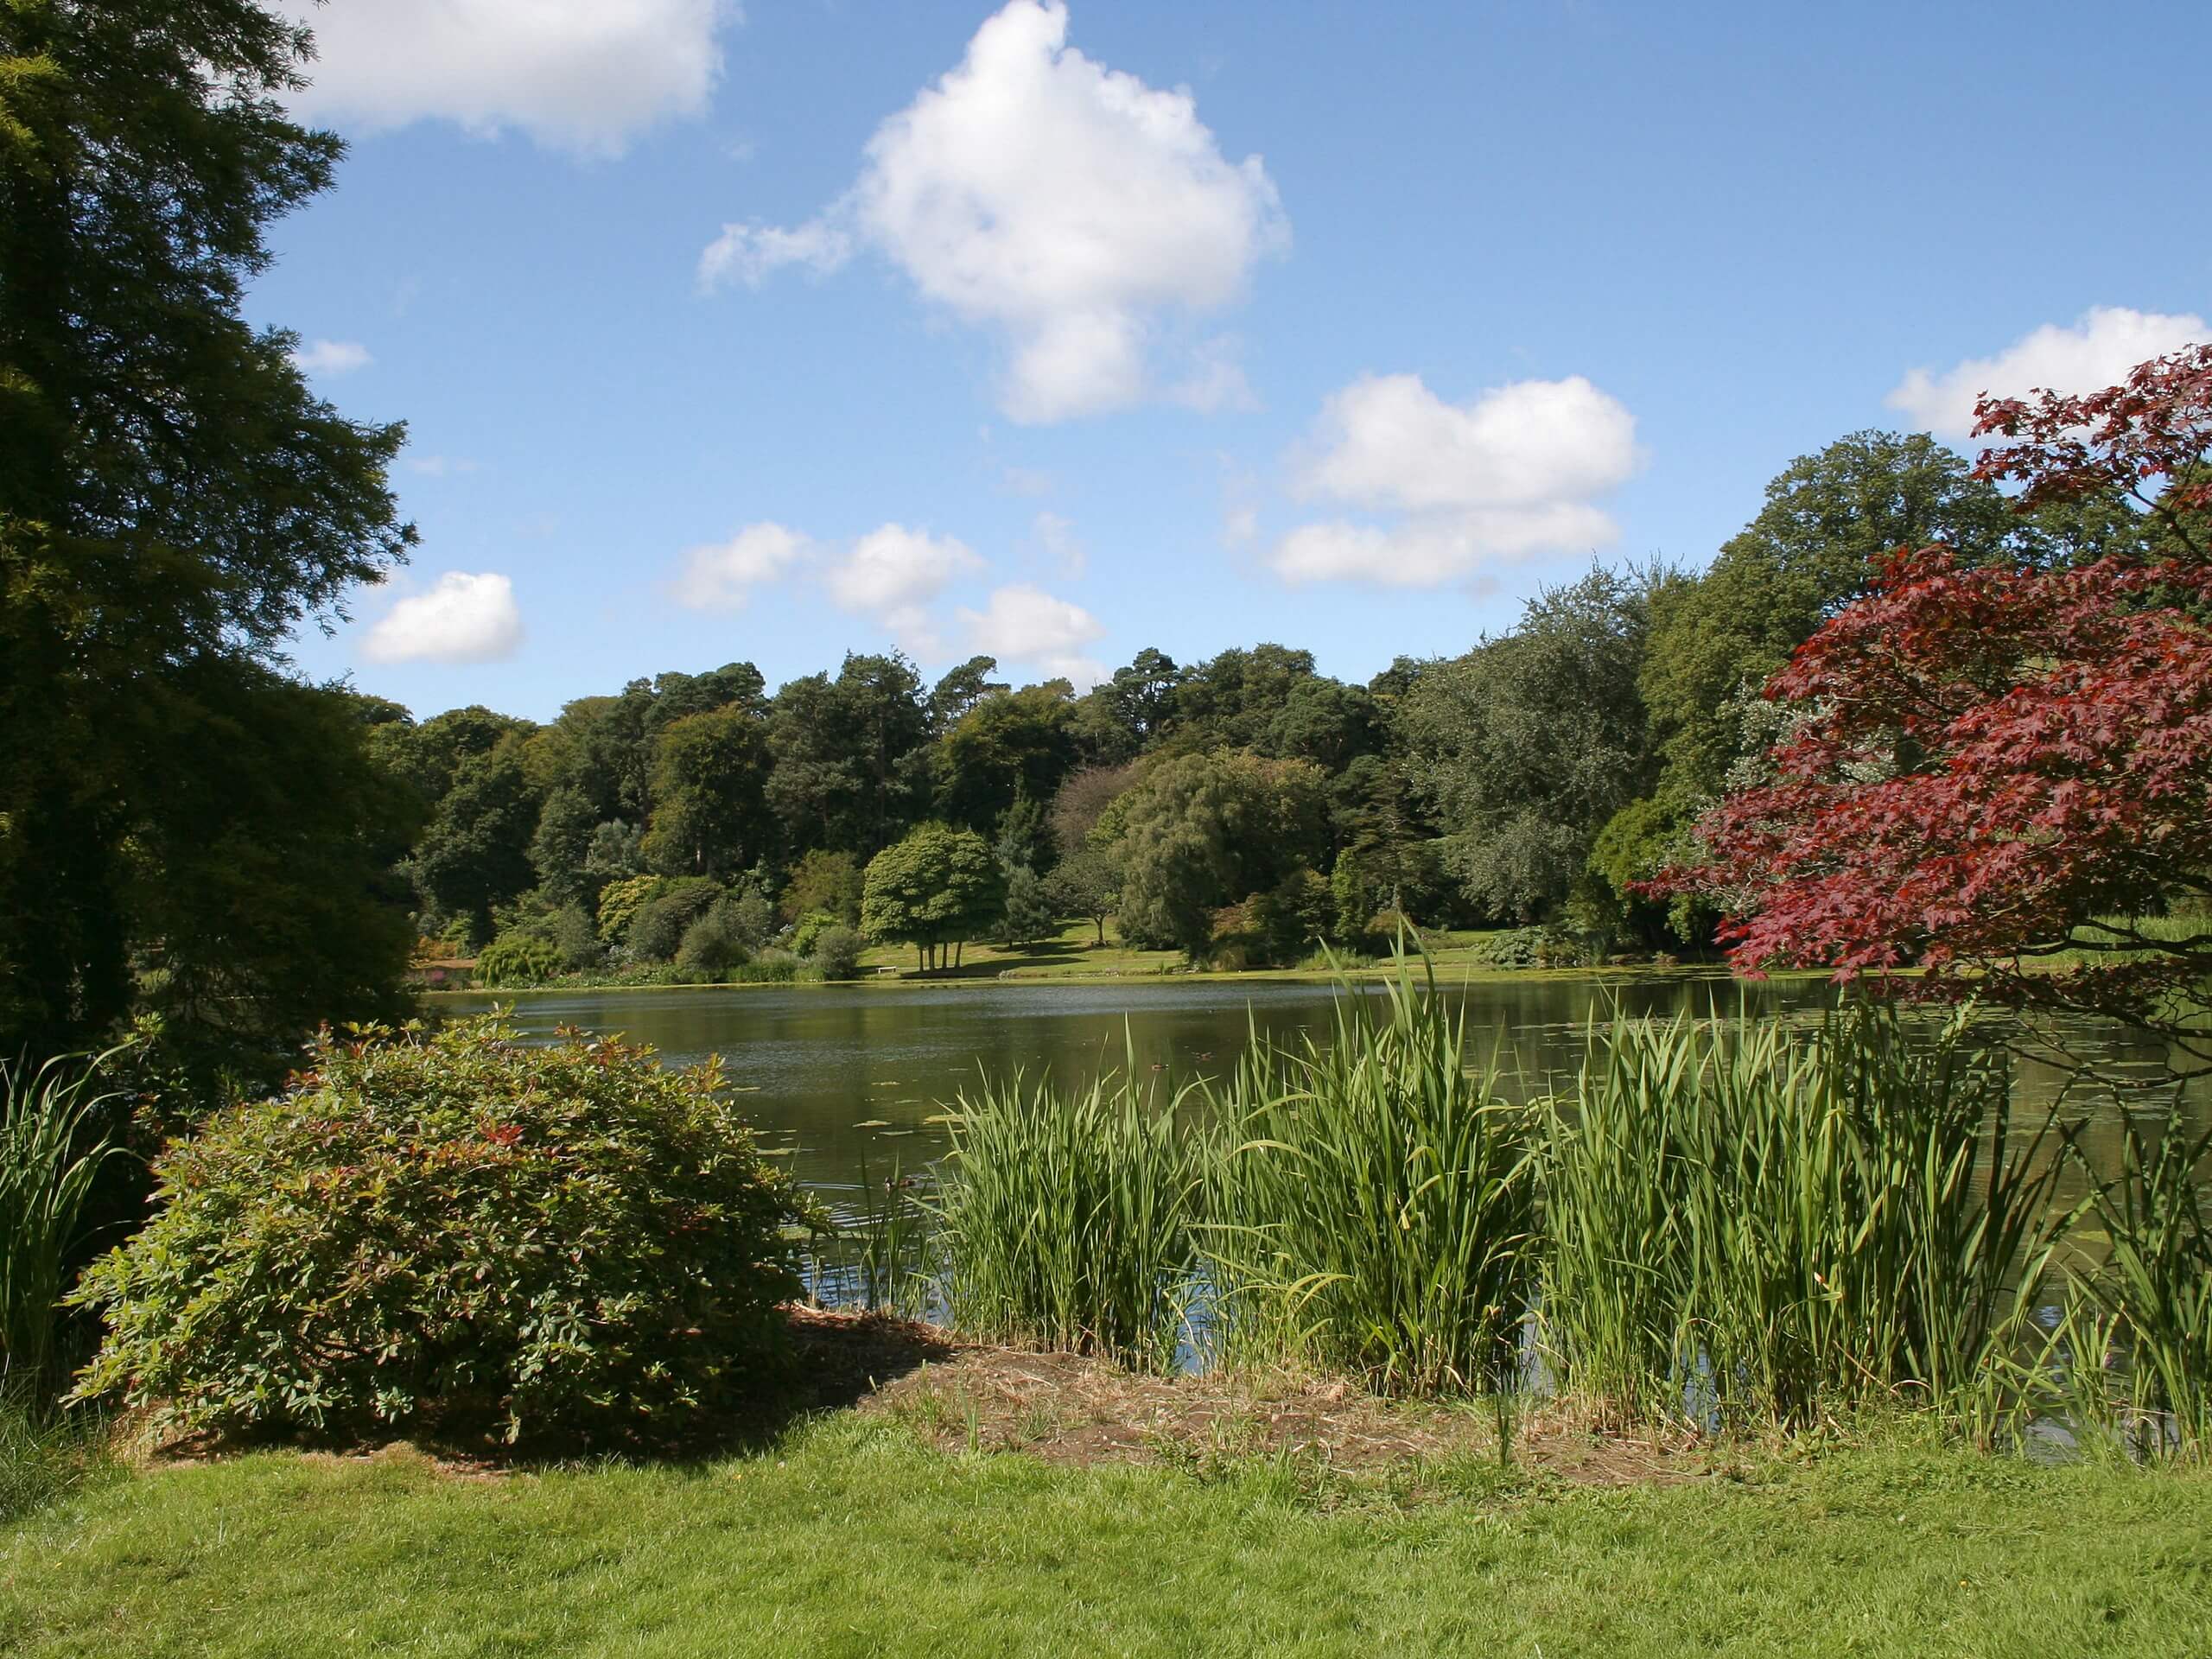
point(1044, 953)
point(836, 1361)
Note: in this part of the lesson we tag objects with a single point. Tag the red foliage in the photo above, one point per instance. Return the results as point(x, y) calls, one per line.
point(1997, 764)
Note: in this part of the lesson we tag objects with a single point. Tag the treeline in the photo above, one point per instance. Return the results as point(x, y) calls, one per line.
point(1241, 809)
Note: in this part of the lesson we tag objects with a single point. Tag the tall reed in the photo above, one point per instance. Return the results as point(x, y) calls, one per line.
point(50, 1156)
point(2139, 1323)
point(1066, 1218)
point(1373, 1204)
point(1750, 1222)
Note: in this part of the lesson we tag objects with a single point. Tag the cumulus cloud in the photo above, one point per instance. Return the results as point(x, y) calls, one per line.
point(579, 75)
point(330, 357)
point(1513, 473)
point(2104, 343)
point(719, 575)
point(465, 618)
point(1065, 206)
point(1024, 624)
point(891, 574)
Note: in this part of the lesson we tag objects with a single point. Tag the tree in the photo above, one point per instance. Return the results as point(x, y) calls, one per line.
point(710, 794)
point(825, 881)
point(960, 690)
point(1009, 745)
point(1523, 747)
point(173, 499)
point(850, 760)
point(1204, 830)
point(2003, 775)
point(475, 854)
point(1027, 913)
point(1086, 883)
point(939, 885)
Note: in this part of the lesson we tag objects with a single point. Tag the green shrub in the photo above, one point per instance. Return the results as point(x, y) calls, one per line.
point(453, 1231)
point(808, 929)
point(837, 952)
point(518, 959)
point(619, 902)
point(713, 945)
point(657, 931)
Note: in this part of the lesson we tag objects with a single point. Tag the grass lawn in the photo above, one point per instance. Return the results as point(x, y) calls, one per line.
point(851, 1536)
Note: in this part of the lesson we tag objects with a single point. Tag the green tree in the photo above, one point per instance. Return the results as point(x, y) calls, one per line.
point(174, 501)
point(825, 881)
point(1204, 830)
point(561, 848)
point(939, 886)
point(1027, 914)
point(710, 794)
point(1526, 745)
point(475, 854)
point(850, 760)
point(1009, 745)
point(1086, 883)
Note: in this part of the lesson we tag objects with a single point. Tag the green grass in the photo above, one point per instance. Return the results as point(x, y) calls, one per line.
point(851, 1539)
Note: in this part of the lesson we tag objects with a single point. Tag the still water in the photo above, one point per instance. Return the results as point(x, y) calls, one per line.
point(846, 1080)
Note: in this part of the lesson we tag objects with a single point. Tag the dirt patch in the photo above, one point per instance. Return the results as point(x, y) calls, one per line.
point(1079, 1411)
point(1069, 1409)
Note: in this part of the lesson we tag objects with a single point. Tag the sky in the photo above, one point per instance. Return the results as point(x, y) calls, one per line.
point(1054, 332)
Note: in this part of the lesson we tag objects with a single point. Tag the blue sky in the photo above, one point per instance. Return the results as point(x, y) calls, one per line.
point(1058, 333)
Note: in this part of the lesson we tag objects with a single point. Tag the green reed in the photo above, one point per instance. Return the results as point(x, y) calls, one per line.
point(50, 1157)
point(2137, 1328)
point(1065, 1218)
point(1753, 1222)
point(1373, 1204)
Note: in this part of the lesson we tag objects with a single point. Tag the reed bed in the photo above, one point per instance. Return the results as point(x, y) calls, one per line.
point(1725, 1224)
point(51, 1151)
point(1372, 1205)
point(1749, 1222)
point(2135, 1342)
point(1066, 1218)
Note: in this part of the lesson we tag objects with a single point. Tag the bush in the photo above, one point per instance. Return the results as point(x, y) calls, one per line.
point(455, 1232)
point(620, 901)
point(837, 952)
point(714, 944)
point(655, 931)
point(518, 959)
point(809, 928)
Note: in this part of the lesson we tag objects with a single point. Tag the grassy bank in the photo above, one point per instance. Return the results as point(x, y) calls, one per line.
point(851, 1537)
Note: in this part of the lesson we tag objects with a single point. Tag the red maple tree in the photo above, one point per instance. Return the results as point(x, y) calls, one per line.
point(2003, 776)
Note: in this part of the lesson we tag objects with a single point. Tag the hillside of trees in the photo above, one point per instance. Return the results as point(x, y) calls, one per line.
point(1242, 810)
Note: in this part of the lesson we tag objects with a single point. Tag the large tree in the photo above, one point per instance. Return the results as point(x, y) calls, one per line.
point(2000, 775)
point(939, 886)
point(174, 501)
point(1523, 747)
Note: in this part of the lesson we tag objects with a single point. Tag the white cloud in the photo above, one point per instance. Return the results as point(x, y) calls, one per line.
point(2103, 344)
point(331, 357)
point(891, 574)
point(465, 618)
point(1512, 474)
point(441, 466)
point(717, 577)
point(1057, 539)
point(1216, 381)
point(1024, 624)
point(1067, 205)
point(580, 75)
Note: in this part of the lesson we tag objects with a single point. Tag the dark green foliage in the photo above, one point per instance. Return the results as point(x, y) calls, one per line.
point(475, 854)
point(710, 794)
point(836, 952)
point(658, 925)
point(518, 959)
point(460, 1232)
point(1027, 914)
point(1204, 830)
point(1292, 917)
point(172, 502)
point(825, 881)
point(560, 849)
point(1526, 745)
point(1011, 745)
point(851, 762)
point(1086, 883)
point(715, 942)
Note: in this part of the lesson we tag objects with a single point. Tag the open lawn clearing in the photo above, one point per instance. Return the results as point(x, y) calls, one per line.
point(853, 1537)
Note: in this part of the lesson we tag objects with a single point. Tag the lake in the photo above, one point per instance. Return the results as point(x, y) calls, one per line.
point(847, 1078)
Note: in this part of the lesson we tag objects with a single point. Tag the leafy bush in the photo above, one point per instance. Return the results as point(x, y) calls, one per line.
point(1529, 947)
point(619, 902)
point(714, 944)
point(454, 1231)
point(809, 928)
point(518, 959)
point(837, 952)
point(656, 933)
point(769, 967)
